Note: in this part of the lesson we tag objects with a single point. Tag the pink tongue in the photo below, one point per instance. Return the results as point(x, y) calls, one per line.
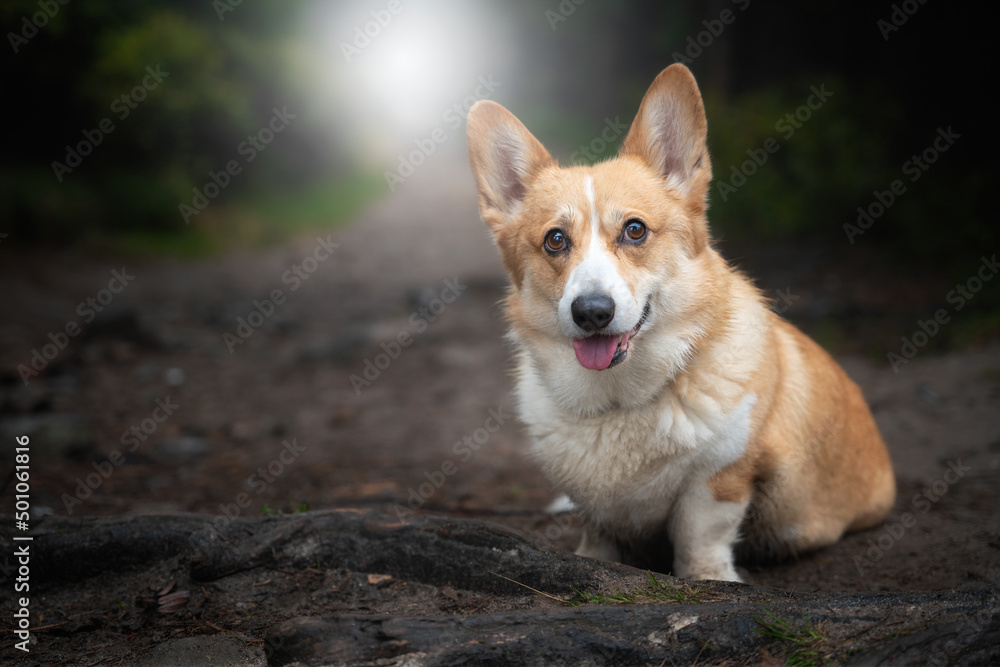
point(596, 352)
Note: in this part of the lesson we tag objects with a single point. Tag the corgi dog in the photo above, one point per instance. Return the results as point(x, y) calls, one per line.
point(681, 416)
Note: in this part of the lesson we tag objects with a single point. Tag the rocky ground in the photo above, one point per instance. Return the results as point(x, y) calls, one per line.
point(191, 475)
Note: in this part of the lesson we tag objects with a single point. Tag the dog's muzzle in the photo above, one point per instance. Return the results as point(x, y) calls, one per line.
point(601, 351)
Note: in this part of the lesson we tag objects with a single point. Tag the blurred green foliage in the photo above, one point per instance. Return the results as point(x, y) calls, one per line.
point(223, 74)
point(830, 164)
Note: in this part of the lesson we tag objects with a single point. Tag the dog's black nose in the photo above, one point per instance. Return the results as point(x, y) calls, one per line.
point(593, 312)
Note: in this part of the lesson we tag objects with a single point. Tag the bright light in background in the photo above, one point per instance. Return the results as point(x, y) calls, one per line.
point(411, 71)
point(389, 78)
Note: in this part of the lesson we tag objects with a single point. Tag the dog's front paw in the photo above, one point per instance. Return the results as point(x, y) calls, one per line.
point(723, 571)
point(595, 545)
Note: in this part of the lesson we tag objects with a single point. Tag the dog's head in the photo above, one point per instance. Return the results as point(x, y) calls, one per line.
point(598, 254)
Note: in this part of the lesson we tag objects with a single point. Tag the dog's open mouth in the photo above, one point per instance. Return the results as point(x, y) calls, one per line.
point(602, 351)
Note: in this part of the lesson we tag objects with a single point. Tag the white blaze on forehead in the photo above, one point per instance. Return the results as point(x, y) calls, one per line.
point(594, 262)
point(595, 221)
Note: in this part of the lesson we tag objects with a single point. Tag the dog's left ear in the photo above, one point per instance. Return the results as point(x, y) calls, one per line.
point(670, 130)
point(505, 158)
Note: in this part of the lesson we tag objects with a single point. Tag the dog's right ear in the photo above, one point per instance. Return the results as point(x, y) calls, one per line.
point(505, 158)
point(669, 133)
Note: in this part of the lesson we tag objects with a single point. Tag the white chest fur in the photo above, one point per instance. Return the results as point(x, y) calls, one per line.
point(626, 468)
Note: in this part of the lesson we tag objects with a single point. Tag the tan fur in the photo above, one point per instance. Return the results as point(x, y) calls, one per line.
point(721, 416)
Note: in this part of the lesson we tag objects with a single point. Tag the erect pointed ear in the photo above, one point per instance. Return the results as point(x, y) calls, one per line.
point(505, 158)
point(669, 132)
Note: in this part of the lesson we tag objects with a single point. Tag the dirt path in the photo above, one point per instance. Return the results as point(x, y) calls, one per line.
point(267, 418)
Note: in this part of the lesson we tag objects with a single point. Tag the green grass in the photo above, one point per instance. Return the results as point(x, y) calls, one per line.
point(264, 218)
point(654, 591)
point(297, 508)
point(801, 645)
point(318, 206)
point(155, 243)
point(251, 219)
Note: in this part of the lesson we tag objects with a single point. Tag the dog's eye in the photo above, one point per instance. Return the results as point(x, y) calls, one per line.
point(634, 231)
point(555, 241)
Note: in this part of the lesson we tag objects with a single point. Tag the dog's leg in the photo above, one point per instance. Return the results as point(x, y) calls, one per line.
point(593, 544)
point(703, 531)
